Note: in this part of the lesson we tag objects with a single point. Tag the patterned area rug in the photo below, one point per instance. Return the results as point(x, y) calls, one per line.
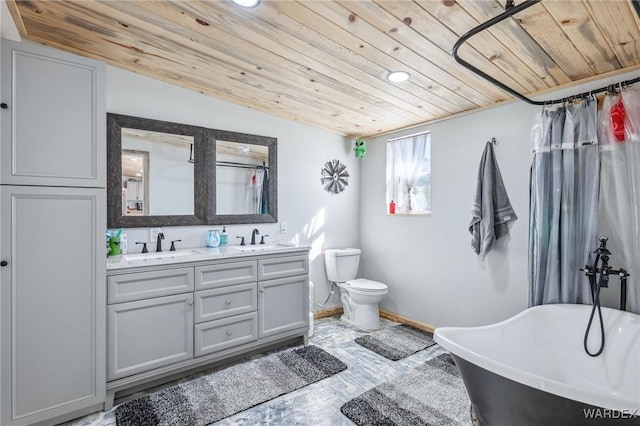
point(221, 394)
point(431, 394)
point(397, 342)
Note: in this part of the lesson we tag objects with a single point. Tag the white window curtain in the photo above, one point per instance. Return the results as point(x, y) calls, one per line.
point(408, 173)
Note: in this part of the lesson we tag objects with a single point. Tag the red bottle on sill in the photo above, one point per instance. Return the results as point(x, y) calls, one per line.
point(392, 207)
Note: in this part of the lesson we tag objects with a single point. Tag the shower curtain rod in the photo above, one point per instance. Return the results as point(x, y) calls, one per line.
point(511, 10)
point(240, 165)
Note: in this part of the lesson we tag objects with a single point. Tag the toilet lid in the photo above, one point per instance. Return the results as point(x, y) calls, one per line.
point(366, 285)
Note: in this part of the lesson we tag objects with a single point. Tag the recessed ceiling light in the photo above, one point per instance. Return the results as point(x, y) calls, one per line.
point(247, 3)
point(133, 159)
point(398, 76)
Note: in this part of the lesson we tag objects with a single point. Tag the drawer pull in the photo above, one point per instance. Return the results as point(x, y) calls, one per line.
point(228, 301)
point(228, 333)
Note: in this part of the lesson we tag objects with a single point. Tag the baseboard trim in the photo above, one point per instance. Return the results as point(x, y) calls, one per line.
point(391, 316)
point(327, 312)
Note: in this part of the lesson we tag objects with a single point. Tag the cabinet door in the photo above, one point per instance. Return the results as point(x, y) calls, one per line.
point(54, 129)
point(53, 299)
point(147, 334)
point(283, 305)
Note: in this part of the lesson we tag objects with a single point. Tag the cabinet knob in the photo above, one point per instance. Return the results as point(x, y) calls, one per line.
point(4, 106)
point(228, 301)
point(228, 333)
point(190, 303)
point(262, 290)
point(4, 263)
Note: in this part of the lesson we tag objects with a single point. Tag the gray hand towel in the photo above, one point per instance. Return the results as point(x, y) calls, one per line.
point(491, 208)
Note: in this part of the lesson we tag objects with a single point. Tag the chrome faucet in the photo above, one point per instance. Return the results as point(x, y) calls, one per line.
point(253, 236)
point(159, 241)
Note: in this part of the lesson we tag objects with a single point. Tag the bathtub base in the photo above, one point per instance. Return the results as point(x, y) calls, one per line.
point(498, 401)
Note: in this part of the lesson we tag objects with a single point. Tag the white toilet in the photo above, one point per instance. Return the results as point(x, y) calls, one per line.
point(360, 297)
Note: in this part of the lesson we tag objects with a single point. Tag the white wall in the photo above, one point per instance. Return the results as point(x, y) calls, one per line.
point(433, 274)
point(313, 216)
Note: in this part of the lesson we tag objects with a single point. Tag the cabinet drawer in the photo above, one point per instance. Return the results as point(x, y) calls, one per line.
point(145, 285)
point(280, 267)
point(214, 336)
point(225, 274)
point(225, 302)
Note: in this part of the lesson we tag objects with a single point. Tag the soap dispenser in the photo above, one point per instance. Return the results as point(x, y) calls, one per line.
point(224, 237)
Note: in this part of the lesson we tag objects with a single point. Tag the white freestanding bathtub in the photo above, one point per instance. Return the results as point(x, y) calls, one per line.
point(532, 369)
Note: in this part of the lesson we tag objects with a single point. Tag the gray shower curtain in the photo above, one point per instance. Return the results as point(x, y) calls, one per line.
point(563, 213)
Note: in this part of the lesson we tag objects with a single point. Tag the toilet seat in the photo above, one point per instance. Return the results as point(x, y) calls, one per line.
point(365, 285)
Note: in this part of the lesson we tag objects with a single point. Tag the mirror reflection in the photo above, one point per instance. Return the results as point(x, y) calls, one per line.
point(242, 178)
point(157, 173)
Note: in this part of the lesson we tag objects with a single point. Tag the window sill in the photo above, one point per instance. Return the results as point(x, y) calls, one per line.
point(410, 214)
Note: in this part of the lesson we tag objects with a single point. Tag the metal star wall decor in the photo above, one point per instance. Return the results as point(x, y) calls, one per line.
point(334, 177)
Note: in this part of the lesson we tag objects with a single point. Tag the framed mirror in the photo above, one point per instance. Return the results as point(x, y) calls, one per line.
point(246, 185)
point(157, 173)
point(169, 174)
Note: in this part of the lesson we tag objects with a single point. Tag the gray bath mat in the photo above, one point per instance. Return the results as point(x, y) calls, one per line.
point(397, 342)
point(431, 394)
point(218, 395)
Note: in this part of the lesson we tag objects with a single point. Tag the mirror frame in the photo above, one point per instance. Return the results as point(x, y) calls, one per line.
point(232, 219)
point(204, 174)
point(203, 194)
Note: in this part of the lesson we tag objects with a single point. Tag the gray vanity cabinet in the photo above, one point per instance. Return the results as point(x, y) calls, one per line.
point(148, 334)
point(167, 320)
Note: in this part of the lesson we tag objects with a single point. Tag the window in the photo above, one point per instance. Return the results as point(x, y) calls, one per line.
point(409, 174)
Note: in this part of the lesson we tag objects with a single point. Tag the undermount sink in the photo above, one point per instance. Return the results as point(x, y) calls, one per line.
point(260, 247)
point(158, 255)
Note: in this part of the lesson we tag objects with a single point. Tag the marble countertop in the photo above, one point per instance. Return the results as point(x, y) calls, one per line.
point(136, 260)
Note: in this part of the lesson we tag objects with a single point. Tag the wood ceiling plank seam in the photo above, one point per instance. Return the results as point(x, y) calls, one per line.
point(342, 64)
point(576, 22)
point(543, 28)
point(517, 41)
point(169, 73)
point(405, 54)
point(101, 19)
point(406, 34)
point(615, 20)
point(351, 82)
point(17, 19)
point(489, 49)
point(452, 102)
point(426, 26)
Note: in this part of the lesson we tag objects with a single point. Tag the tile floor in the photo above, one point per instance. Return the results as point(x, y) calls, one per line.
point(317, 404)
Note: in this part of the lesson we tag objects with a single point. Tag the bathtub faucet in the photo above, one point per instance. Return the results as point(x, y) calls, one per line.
point(605, 271)
point(599, 277)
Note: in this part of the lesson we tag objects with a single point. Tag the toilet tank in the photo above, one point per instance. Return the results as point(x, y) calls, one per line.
point(341, 264)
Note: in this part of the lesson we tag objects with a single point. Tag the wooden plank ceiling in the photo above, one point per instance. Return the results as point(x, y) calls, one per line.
point(324, 62)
